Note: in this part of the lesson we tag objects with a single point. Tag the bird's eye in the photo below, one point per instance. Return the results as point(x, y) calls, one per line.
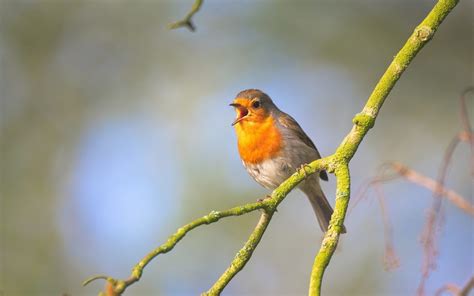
point(256, 104)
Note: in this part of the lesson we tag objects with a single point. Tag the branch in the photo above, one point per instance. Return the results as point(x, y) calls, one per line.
point(362, 123)
point(331, 237)
point(269, 205)
point(455, 290)
point(187, 21)
point(243, 256)
point(391, 260)
point(467, 288)
point(467, 125)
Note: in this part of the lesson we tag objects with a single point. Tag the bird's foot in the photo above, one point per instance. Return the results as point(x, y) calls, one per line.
point(303, 167)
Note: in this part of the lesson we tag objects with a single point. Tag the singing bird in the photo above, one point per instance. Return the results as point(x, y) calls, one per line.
point(272, 146)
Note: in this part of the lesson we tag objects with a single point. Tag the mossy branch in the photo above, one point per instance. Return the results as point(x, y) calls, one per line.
point(363, 122)
point(187, 20)
point(243, 256)
point(337, 163)
point(268, 205)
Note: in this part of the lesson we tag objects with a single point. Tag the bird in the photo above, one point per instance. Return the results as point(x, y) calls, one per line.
point(272, 146)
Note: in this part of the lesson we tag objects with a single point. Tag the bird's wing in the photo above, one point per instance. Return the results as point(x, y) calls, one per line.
point(288, 122)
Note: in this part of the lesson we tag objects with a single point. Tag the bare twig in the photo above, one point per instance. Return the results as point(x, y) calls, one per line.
point(430, 184)
point(390, 171)
point(187, 20)
point(468, 287)
point(451, 288)
point(432, 224)
point(391, 260)
point(468, 135)
point(455, 290)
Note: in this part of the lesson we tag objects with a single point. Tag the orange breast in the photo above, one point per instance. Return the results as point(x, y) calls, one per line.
point(258, 141)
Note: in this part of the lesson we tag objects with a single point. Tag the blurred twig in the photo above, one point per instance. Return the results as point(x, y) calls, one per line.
point(467, 135)
point(419, 179)
point(455, 290)
point(467, 287)
point(391, 260)
point(432, 225)
point(187, 20)
point(390, 171)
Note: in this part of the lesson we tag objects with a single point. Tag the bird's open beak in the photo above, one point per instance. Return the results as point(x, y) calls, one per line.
point(242, 112)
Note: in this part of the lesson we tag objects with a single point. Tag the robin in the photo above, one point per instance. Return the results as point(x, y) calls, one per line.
point(273, 146)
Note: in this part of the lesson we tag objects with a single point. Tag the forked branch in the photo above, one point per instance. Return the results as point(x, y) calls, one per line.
point(362, 123)
point(187, 20)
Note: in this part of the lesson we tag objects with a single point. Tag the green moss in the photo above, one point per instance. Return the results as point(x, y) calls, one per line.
point(364, 120)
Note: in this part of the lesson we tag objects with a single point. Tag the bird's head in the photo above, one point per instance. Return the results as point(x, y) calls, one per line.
point(252, 105)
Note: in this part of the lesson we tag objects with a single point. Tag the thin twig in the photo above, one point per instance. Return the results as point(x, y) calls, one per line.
point(391, 260)
point(432, 224)
point(392, 170)
point(467, 287)
point(430, 184)
point(187, 21)
point(467, 125)
point(455, 290)
point(451, 288)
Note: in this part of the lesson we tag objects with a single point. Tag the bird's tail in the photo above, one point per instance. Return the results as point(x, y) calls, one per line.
point(320, 204)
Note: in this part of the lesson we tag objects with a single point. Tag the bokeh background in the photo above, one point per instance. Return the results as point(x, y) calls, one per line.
point(115, 131)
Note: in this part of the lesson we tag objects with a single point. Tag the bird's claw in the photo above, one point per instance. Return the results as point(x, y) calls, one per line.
point(303, 167)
